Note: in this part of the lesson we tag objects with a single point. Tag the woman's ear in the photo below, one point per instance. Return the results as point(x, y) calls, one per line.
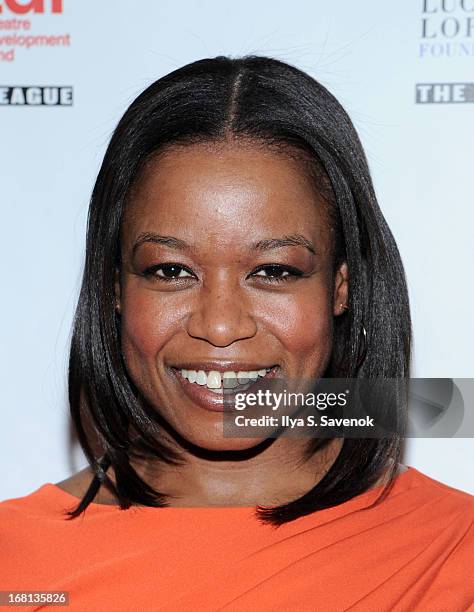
point(341, 289)
point(117, 291)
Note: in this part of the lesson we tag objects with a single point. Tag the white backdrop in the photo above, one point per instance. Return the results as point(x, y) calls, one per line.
point(370, 54)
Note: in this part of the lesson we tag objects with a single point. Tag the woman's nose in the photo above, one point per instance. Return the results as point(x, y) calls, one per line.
point(222, 315)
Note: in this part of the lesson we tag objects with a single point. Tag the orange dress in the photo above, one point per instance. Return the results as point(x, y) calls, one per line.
point(413, 552)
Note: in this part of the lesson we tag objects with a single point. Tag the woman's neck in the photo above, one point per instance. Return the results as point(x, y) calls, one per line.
point(276, 475)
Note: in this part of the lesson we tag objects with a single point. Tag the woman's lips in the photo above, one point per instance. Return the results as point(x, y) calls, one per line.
point(214, 401)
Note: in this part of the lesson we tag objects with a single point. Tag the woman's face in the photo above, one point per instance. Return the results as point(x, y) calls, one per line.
point(227, 268)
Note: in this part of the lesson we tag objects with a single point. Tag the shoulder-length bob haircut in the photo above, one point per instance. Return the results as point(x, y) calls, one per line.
point(211, 100)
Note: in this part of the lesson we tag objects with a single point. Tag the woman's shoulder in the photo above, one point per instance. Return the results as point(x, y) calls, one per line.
point(441, 488)
point(425, 502)
point(53, 499)
point(33, 524)
point(443, 502)
point(437, 503)
point(46, 497)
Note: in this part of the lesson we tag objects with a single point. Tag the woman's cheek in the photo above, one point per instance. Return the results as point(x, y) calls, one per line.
point(303, 327)
point(148, 323)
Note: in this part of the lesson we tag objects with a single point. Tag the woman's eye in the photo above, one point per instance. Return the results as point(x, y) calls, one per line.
point(168, 272)
point(276, 273)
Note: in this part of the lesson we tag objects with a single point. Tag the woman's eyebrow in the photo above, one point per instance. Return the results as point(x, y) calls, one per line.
point(266, 244)
point(170, 241)
point(276, 243)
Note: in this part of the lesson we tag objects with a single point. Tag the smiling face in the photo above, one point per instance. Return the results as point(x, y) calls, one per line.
point(227, 266)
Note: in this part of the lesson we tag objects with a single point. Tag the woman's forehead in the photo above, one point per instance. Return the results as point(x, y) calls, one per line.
point(230, 187)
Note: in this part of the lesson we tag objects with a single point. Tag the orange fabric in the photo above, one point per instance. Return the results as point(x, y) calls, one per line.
point(413, 552)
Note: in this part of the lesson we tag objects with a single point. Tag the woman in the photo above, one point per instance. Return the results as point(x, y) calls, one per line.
point(234, 235)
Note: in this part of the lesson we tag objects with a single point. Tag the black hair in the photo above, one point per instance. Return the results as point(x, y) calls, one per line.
point(212, 100)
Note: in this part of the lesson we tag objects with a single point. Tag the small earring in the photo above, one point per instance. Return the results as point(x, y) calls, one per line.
point(344, 307)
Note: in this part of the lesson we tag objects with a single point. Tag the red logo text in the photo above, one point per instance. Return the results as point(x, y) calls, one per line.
point(33, 6)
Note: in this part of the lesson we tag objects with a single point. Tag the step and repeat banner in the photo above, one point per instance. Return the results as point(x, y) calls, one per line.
point(404, 72)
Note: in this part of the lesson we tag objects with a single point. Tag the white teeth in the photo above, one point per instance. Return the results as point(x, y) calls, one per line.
point(227, 380)
point(201, 378)
point(214, 380)
point(243, 377)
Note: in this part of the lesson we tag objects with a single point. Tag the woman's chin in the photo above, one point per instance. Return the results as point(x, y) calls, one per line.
point(223, 444)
